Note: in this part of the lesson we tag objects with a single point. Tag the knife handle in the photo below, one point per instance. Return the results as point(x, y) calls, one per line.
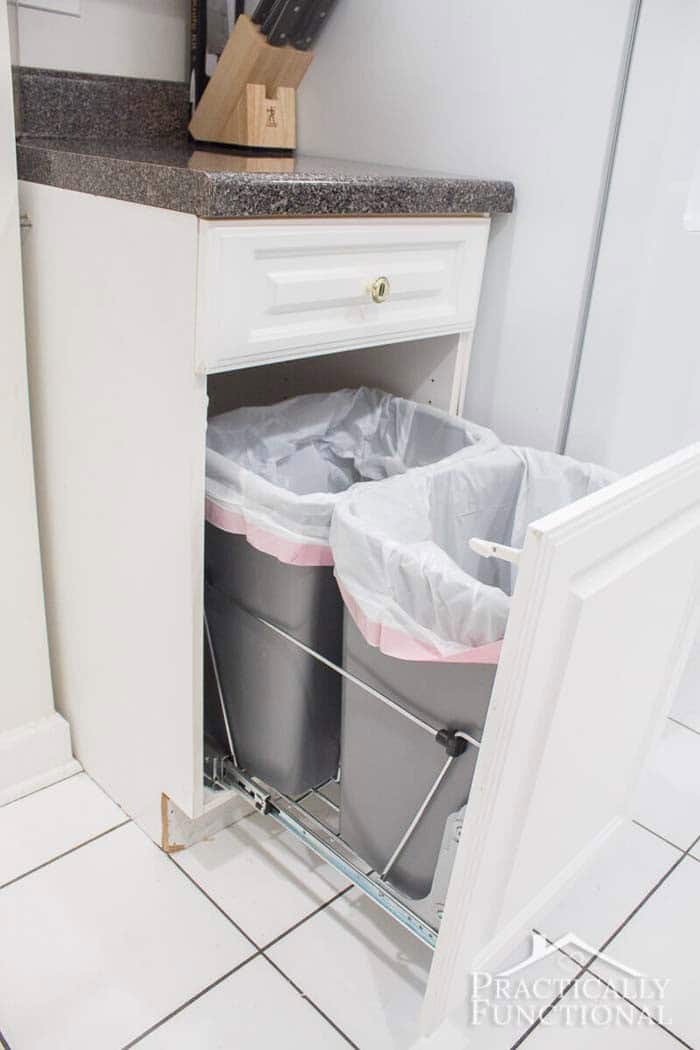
point(307, 35)
point(273, 14)
point(288, 24)
point(262, 11)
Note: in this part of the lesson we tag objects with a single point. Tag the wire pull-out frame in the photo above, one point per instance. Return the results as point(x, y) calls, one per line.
point(420, 917)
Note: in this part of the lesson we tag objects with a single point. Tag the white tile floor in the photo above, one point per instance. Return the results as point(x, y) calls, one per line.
point(248, 941)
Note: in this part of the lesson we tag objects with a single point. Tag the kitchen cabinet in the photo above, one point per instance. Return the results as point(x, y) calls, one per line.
point(35, 746)
point(140, 321)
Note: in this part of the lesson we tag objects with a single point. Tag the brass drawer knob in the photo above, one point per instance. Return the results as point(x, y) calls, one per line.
point(379, 289)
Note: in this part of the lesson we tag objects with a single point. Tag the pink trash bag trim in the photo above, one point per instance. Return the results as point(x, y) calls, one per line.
point(399, 645)
point(288, 551)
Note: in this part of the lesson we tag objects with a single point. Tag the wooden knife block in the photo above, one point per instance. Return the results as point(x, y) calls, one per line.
point(250, 99)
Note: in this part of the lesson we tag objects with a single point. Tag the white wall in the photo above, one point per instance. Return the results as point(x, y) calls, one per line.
point(488, 88)
point(25, 684)
point(131, 38)
point(638, 395)
point(14, 33)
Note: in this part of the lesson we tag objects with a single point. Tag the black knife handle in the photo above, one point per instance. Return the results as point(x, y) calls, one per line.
point(274, 13)
point(262, 11)
point(199, 47)
point(318, 16)
point(288, 23)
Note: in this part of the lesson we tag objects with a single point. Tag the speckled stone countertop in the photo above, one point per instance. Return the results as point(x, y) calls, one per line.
point(99, 135)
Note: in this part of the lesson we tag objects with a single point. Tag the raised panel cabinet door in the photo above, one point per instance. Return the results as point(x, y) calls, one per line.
point(603, 614)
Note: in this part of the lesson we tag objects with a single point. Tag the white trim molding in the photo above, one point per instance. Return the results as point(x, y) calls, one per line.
point(35, 755)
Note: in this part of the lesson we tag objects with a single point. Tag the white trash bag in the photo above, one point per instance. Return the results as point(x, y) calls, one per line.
point(409, 578)
point(275, 473)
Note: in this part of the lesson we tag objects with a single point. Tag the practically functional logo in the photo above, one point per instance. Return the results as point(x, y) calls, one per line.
point(528, 993)
point(570, 944)
point(271, 116)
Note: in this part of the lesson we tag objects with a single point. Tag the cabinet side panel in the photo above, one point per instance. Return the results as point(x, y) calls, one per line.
point(118, 417)
point(25, 682)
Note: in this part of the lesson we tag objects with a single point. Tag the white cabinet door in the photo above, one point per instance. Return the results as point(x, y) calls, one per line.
point(601, 621)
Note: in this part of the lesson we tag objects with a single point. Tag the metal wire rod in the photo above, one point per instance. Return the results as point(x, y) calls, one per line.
point(470, 739)
point(418, 817)
point(219, 688)
point(425, 726)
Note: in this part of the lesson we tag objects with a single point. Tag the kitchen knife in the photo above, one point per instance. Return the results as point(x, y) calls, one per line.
point(262, 11)
point(316, 17)
point(217, 26)
point(288, 23)
point(272, 16)
point(199, 48)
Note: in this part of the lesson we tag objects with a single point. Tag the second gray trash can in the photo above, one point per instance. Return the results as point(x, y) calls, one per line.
point(274, 475)
point(389, 764)
point(423, 623)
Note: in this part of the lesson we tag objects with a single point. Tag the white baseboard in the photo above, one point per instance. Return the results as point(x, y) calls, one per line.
point(35, 755)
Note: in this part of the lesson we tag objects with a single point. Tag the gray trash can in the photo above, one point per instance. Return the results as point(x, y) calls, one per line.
point(389, 764)
point(274, 475)
point(423, 623)
point(283, 706)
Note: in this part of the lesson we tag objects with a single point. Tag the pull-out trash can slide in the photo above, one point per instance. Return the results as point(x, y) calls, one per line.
point(274, 476)
point(425, 616)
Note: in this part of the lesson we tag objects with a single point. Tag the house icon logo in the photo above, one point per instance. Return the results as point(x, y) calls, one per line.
point(566, 992)
point(541, 948)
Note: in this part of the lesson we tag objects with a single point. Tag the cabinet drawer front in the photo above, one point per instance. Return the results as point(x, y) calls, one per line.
point(271, 290)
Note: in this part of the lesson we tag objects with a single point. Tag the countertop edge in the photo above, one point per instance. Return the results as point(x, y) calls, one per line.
point(219, 195)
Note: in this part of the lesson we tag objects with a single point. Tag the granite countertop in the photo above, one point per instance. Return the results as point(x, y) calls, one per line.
point(100, 135)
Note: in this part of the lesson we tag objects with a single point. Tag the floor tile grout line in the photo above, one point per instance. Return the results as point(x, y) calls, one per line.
point(545, 1013)
point(280, 936)
point(296, 925)
point(214, 903)
point(220, 980)
point(66, 853)
point(259, 952)
point(565, 991)
point(310, 1001)
point(192, 999)
point(656, 834)
point(636, 1006)
point(586, 968)
point(685, 725)
point(685, 854)
point(44, 787)
point(647, 896)
point(262, 951)
point(583, 968)
point(618, 993)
